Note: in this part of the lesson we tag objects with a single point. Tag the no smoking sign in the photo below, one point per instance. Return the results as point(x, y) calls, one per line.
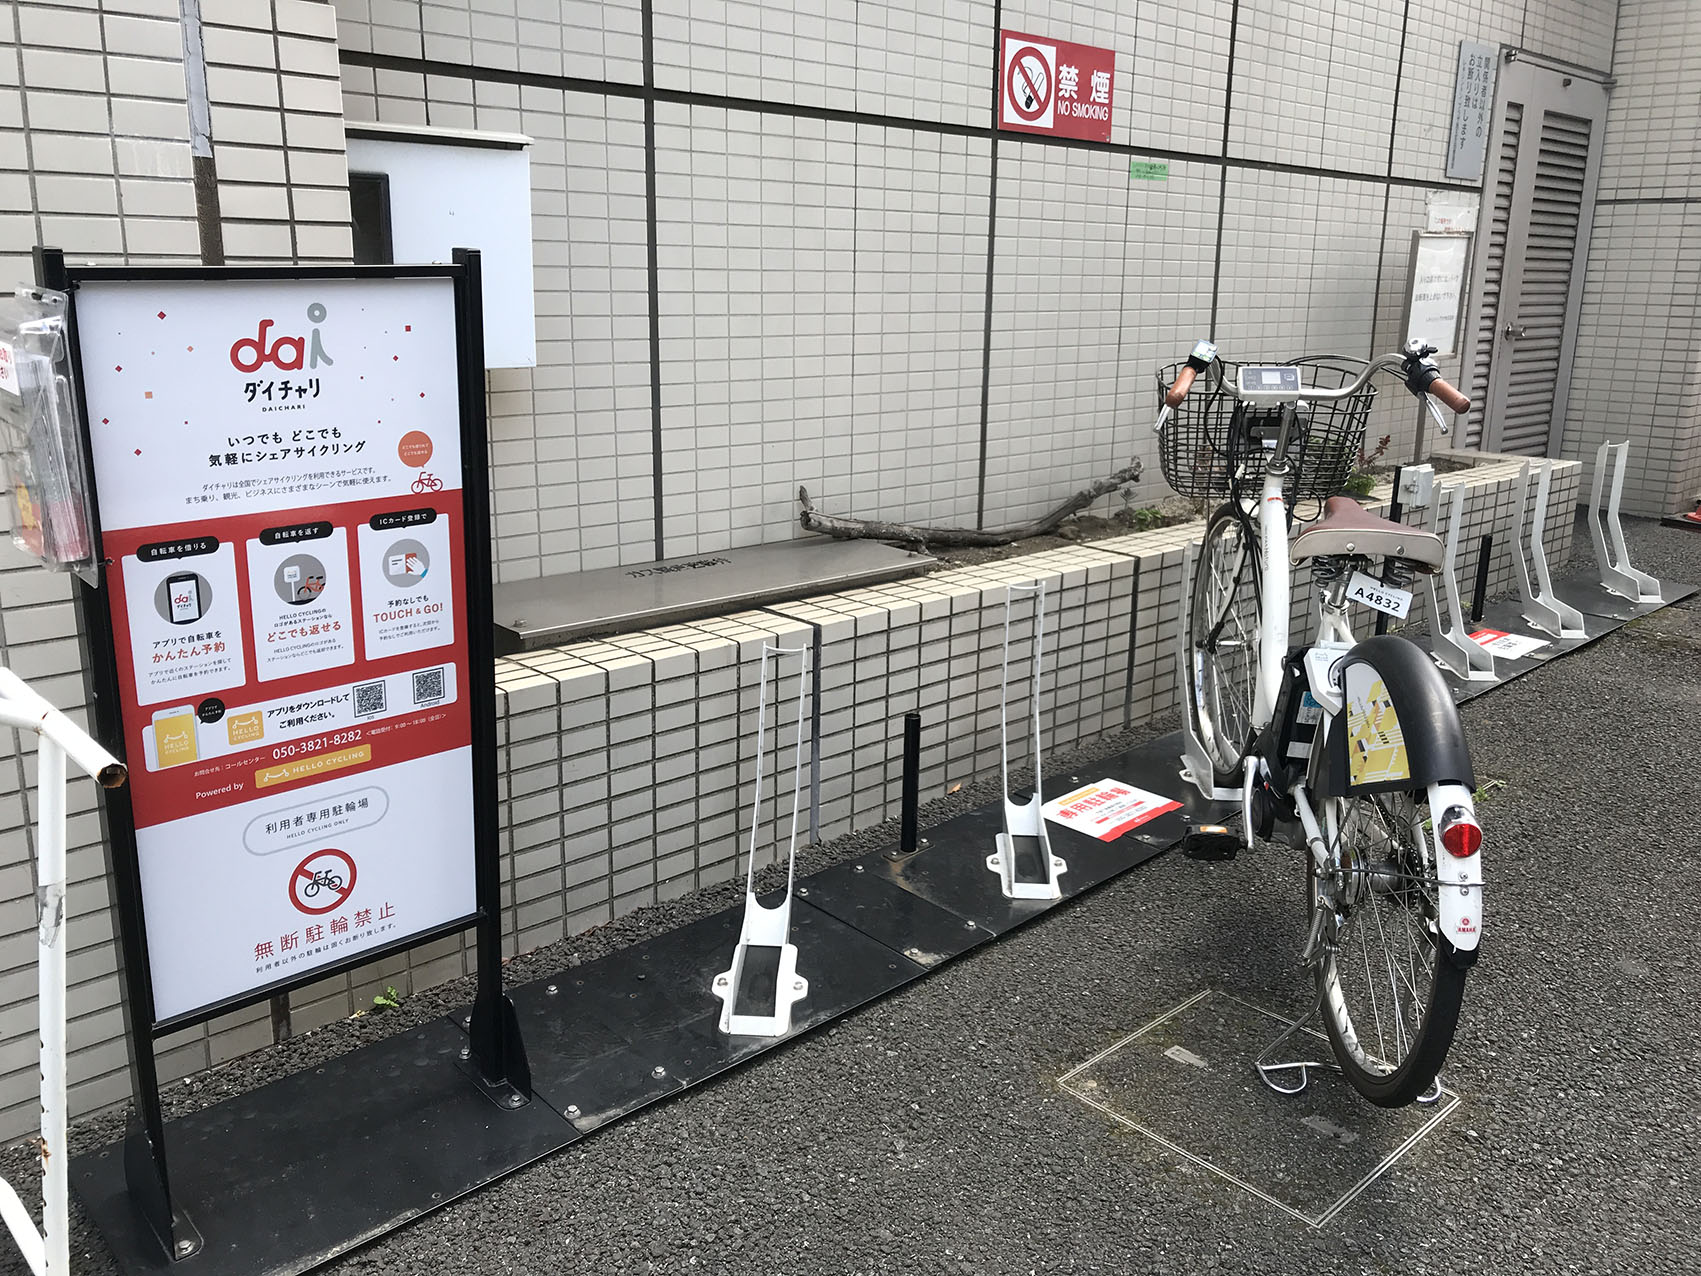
point(1055, 87)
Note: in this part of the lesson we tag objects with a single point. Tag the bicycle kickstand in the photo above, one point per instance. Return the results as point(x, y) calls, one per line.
point(1267, 1071)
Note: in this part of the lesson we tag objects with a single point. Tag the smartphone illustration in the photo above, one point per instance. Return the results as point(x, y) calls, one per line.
point(174, 737)
point(184, 591)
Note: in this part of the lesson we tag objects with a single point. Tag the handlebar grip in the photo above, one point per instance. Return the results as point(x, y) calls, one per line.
point(1448, 395)
point(1178, 391)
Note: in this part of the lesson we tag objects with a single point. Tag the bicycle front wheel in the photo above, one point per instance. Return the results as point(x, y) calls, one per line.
point(1390, 990)
point(1222, 639)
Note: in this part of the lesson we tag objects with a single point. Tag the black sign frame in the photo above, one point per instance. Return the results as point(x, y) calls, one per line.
point(497, 1054)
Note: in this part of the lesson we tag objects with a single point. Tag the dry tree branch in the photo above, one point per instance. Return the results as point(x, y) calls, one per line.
point(844, 527)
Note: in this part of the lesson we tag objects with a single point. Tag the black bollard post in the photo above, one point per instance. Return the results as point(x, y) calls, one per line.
point(1395, 513)
point(1480, 594)
point(912, 782)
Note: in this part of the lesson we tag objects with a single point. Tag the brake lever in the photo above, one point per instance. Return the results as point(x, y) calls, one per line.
point(1436, 416)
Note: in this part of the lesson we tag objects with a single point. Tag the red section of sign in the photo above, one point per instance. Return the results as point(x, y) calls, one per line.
point(321, 882)
point(1055, 87)
point(1142, 818)
point(158, 796)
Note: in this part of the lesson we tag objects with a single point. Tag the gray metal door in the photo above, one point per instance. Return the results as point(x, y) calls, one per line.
point(1533, 232)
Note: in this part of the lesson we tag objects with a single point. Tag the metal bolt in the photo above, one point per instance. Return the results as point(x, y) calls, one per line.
point(969, 926)
point(721, 981)
point(803, 890)
point(1074, 779)
point(466, 1021)
point(857, 868)
point(516, 1100)
point(797, 985)
point(552, 990)
point(658, 1072)
point(572, 1109)
point(925, 842)
point(185, 1248)
point(466, 1052)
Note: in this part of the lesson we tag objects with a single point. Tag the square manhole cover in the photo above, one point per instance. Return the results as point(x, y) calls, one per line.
point(1187, 1081)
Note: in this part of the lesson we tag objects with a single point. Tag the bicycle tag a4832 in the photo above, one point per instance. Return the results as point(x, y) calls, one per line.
point(1373, 593)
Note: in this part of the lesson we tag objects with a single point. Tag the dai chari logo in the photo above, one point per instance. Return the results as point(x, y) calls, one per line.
point(283, 352)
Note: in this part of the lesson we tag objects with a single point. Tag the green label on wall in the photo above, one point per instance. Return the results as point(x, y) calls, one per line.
point(1148, 170)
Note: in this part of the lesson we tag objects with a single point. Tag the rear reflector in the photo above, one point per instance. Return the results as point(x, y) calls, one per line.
point(1461, 836)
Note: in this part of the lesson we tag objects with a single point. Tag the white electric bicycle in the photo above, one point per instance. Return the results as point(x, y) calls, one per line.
point(1352, 750)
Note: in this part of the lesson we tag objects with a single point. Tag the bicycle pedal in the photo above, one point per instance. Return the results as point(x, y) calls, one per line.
point(1210, 842)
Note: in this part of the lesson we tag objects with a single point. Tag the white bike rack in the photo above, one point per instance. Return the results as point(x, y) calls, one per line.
point(769, 927)
point(1617, 575)
point(1196, 767)
point(1024, 819)
point(48, 1251)
point(1450, 641)
point(1545, 609)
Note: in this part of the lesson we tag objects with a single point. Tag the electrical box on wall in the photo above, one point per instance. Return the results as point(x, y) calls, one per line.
point(418, 194)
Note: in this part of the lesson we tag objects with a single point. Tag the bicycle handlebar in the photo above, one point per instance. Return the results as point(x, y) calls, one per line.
point(1178, 391)
point(1417, 369)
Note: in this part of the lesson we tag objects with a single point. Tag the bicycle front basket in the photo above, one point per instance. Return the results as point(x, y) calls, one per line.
point(1199, 454)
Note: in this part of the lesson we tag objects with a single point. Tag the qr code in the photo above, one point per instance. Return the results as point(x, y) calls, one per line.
point(368, 698)
point(428, 685)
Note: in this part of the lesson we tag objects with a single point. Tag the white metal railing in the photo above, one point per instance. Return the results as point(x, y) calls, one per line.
point(48, 1251)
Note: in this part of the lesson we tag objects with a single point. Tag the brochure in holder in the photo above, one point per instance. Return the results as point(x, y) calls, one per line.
point(39, 440)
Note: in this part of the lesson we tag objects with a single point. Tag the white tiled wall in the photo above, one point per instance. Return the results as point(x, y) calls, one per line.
point(1636, 374)
point(822, 273)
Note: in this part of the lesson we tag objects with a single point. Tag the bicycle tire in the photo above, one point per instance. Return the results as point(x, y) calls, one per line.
point(1222, 640)
point(1387, 873)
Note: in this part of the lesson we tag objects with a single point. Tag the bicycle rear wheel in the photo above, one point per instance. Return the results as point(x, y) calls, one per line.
point(1222, 639)
point(1389, 988)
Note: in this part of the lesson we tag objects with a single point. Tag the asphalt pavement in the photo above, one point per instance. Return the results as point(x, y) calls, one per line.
point(928, 1133)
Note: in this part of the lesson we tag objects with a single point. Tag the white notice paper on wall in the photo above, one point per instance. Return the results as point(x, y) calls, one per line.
point(1439, 263)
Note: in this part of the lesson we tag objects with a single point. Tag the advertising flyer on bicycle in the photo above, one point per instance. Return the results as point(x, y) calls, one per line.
point(278, 470)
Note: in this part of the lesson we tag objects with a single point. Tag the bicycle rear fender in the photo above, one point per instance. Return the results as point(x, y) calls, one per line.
point(1398, 728)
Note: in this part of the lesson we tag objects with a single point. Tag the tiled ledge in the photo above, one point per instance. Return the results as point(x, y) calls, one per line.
point(628, 762)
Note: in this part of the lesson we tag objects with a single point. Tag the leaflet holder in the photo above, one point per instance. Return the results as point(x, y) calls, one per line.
point(1450, 642)
point(766, 932)
point(1196, 768)
point(1023, 861)
point(1617, 575)
point(1545, 609)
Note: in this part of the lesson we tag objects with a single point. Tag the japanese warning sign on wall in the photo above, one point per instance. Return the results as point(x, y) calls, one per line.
point(1055, 87)
point(278, 477)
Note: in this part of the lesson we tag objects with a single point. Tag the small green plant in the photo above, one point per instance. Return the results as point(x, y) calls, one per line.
point(389, 999)
point(1360, 482)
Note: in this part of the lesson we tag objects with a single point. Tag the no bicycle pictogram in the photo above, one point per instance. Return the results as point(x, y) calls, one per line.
point(1028, 83)
point(322, 882)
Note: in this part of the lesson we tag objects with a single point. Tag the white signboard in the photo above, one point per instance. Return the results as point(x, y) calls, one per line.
point(1108, 809)
point(1473, 103)
point(1511, 646)
point(1437, 292)
point(279, 475)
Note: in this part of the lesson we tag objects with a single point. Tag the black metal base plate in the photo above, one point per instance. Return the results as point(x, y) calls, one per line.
point(642, 1023)
point(284, 1178)
point(1589, 596)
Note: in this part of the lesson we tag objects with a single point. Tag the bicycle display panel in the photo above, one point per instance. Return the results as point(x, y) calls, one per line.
point(279, 487)
point(1265, 384)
